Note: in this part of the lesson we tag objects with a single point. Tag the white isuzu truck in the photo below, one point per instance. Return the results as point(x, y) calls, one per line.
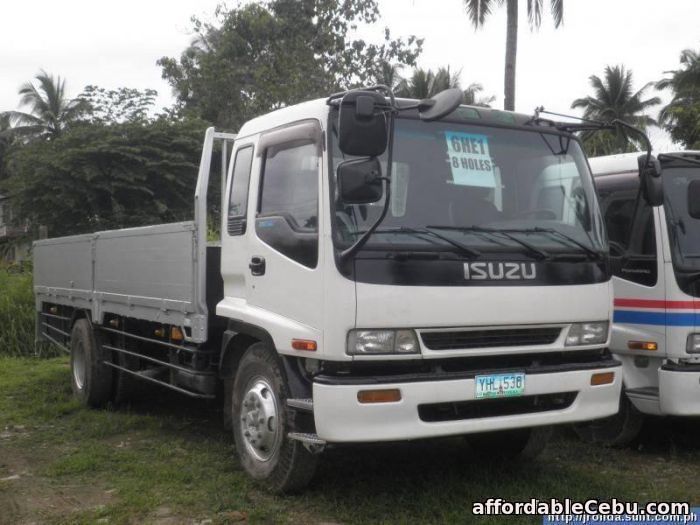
point(654, 234)
point(388, 270)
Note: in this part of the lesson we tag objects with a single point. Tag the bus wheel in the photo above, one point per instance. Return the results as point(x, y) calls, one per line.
point(614, 431)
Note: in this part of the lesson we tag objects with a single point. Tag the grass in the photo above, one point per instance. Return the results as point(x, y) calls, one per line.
point(17, 314)
point(167, 460)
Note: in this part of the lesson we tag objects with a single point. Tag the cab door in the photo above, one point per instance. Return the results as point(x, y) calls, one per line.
point(638, 281)
point(284, 271)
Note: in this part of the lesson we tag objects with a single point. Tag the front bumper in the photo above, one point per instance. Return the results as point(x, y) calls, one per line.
point(339, 417)
point(679, 390)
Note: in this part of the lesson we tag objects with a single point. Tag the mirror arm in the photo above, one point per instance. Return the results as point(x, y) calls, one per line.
point(638, 131)
point(359, 243)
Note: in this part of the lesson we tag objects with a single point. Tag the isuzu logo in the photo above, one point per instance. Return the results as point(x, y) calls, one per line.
point(494, 271)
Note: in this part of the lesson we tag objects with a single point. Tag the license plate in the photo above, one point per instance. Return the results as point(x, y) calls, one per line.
point(500, 385)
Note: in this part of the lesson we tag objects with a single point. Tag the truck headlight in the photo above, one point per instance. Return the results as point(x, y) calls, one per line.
point(371, 342)
point(693, 344)
point(587, 333)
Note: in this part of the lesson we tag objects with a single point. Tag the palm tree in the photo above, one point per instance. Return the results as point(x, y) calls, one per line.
point(478, 11)
point(424, 83)
point(49, 109)
point(389, 75)
point(472, 97)
point(681, 117)
point(615, 98)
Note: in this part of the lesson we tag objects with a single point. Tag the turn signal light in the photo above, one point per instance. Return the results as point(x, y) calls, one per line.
point(642, 345)
point(602, 378)
point(304, 344)
point(176, 334)
point(388, 395)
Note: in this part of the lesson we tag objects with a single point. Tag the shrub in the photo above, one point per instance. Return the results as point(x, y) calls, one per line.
point(17, 314)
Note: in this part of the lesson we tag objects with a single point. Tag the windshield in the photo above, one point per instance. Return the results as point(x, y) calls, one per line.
point(684, 229)
point(486, 188)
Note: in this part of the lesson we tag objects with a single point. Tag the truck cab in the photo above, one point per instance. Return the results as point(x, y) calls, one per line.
point(654, 253)
point(388, 270)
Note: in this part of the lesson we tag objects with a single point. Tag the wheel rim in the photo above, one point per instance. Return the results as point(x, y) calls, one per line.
point(79, 365)
point(260, 420)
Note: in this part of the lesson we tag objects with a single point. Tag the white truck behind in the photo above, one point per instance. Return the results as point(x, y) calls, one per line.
point(654, 235)
point(388, 270)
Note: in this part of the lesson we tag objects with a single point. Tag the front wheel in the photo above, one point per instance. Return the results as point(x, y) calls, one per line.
point(261, 422)
point(521, 443)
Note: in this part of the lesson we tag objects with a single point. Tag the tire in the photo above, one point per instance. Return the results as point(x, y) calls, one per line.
point(614, 431)
point(522, 443)
point(261, 421)
point(90, 378)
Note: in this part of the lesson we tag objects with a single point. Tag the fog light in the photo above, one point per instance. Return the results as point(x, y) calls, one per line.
point(602, 378)
point(388, 395)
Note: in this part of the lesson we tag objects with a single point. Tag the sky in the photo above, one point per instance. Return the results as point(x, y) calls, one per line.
point(117, 43)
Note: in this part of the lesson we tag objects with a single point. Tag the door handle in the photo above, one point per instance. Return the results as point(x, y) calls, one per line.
point(257, 265)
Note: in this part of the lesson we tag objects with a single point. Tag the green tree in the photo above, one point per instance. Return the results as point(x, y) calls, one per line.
point(681, 117)
point(97, 176)
point(614, 98)
point(50, 110)
point(116, 106)
point(6, 140)
point(425, 83)
point(272, 53)
point(479, 10)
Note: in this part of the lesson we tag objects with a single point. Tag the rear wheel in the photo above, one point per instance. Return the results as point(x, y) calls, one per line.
point(521, 443)
point(261, 422)
point(91, 379)
point(614, 431)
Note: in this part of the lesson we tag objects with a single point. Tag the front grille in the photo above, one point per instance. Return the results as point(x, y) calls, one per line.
point(454, 340)
point(435, 412)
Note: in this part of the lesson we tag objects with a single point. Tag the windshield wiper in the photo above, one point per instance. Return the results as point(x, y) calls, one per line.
point(427, 231)
point(591, 252)
point(539, 253)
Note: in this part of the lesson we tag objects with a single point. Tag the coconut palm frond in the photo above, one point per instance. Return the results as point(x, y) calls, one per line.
point(557, 10)
point(614, 98)
point(478, 10)
point(49, 111)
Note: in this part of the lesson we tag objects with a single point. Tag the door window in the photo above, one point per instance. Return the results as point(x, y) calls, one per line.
point(630, 224)
point(238, 201)
point(287, 217)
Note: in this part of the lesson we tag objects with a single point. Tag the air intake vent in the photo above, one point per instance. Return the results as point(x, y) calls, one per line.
point(490, 338)
point(512, 406)
point(236, 225)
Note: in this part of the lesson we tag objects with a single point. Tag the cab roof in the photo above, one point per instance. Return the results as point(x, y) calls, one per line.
point(621, 163)
point(318, 109)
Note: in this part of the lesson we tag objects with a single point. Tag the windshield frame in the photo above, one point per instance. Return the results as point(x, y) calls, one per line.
point(597, 233)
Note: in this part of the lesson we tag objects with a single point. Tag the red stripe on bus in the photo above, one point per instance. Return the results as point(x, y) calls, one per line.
point(652, 303)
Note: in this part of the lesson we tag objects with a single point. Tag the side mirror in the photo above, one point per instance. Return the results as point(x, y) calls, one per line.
point(694, 199)
point(362, 124)
point(360, 181)
point(650, 180)
point(441, 104)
